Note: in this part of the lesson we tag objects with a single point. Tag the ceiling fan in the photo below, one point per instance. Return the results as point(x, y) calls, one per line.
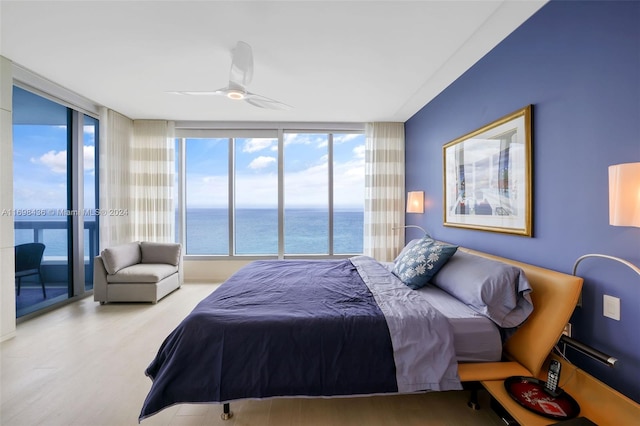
point(239, 78)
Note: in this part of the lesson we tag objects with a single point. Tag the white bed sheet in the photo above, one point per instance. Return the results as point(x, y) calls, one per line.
point(476, 337)
point(421, 336)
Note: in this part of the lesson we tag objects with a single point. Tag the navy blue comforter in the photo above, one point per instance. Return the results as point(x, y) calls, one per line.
point(277, 328)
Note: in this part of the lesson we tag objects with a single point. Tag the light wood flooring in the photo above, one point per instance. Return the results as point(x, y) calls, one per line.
point(83, 364)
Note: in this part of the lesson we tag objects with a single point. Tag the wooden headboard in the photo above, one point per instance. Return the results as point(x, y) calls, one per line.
point(555, 295)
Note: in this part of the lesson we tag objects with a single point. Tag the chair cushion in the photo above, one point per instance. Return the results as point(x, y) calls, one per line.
point(160, 253)
point(120, 256)
point(143, 273)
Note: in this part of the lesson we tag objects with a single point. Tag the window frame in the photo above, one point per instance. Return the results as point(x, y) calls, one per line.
point(78, 108)
point(187, 130)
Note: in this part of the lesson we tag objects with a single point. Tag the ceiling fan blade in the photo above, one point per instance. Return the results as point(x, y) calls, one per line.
point(264, 102)
point(240, 76)
point(241, 65)
point(205, 93)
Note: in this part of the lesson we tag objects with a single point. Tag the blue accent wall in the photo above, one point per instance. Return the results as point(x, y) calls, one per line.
point(578, 64)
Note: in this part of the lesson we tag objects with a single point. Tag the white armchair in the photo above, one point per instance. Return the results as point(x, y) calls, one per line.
point(137, 272)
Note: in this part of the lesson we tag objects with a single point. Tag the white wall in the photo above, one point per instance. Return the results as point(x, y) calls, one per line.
point(208, 271)
point(7, 288)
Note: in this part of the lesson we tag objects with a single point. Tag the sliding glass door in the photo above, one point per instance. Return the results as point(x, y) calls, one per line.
point(50, 143)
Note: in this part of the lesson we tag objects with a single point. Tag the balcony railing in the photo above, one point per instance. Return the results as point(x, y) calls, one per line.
point(39, 226)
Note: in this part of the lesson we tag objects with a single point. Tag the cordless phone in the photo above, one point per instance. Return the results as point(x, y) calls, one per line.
point(551, 386)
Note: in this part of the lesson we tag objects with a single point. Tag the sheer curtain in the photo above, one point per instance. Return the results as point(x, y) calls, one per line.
point(384, 190)
point(136, 180)
point(116, 136)
point(152, 173)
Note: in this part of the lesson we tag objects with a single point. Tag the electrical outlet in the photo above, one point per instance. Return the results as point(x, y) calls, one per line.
point(611, 307)
point(567, 329)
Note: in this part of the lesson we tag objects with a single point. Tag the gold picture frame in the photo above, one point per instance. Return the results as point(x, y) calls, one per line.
point(487, 177)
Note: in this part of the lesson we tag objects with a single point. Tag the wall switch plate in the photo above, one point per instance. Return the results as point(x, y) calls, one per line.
point(611, 307)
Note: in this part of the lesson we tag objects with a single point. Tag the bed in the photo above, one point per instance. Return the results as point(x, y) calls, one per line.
point(355, 327)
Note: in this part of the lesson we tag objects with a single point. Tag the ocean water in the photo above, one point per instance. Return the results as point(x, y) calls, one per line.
point(50, 230)
point(256, 232)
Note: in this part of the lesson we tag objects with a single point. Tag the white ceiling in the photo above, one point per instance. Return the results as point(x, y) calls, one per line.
point(334, 61)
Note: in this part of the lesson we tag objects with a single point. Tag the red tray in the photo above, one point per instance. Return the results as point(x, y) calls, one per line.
point(529, 393)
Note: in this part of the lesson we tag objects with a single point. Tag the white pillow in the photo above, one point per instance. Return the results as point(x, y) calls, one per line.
point(121, 256)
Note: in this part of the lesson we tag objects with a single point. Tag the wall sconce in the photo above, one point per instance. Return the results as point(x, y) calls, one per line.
point(624, 210)
point(592, 353)
point(581, 347)
point(426, 234)
point(624, 194)
point(415, 202)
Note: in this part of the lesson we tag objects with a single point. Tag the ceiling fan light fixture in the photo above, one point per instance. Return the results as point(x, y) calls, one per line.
point(236, 95)
point(240, 76)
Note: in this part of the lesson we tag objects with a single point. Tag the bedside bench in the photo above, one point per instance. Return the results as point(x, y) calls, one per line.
point(598, 402)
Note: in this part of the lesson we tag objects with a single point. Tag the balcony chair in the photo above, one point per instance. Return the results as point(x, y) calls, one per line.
point(28, 259)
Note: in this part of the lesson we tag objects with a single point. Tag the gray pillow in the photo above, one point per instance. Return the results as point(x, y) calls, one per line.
point(120, 256)
point(421, 260)
point(160, 253)
point(492, 288)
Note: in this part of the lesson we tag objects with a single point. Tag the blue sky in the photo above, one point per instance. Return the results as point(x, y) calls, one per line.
point(40, 160)
point(40, 166)
point(40, 153)
point(256, 159)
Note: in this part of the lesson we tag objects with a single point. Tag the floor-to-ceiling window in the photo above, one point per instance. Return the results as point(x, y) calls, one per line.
point(255, 198)
point(348, 194)
point(90, 133)
point(306, 193)
point(51, 141)
point(272, 193)
point(206, 196)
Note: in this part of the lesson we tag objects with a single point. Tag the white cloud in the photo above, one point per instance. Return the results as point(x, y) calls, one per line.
point(212, 180)
point(89, 158)
point(55, 161)
point(290, 138)
point(358, 152)
point(347, 137)
point(303, 188)
point(306, 188)
point(207, 191)
point(259, 190)
point(305, 139)
point(261, 162)
point(29, 194)
point(257, 144)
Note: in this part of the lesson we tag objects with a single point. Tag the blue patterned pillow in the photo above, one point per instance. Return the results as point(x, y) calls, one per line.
point(420, 262)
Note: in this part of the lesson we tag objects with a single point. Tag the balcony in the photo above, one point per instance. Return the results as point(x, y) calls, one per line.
point(55, 263)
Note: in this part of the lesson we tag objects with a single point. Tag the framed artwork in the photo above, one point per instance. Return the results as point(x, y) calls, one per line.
point(487, 177)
